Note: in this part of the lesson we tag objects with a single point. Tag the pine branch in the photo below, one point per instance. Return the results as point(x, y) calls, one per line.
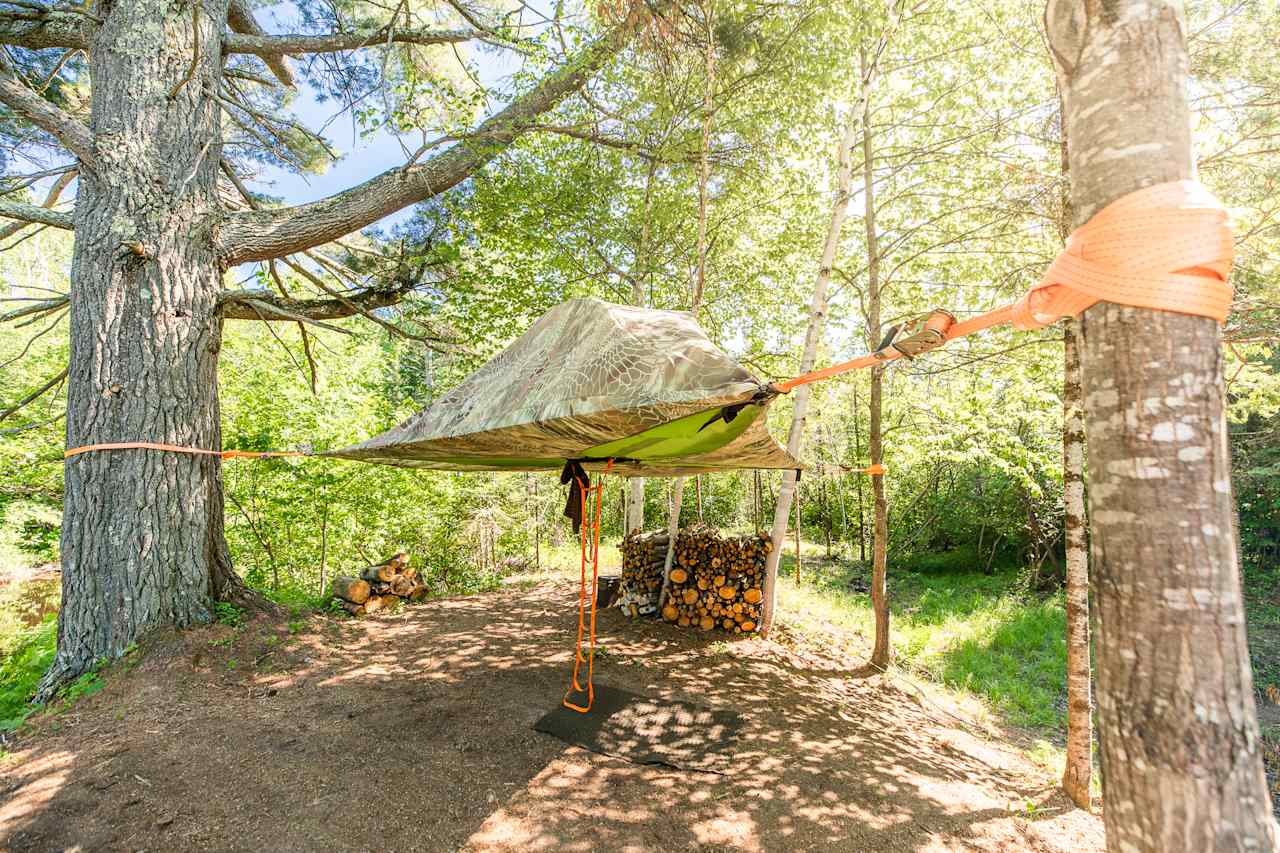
point(50, 200)
point(269, 46)
point(241, 20)
point(71, 132)
point(265, 234)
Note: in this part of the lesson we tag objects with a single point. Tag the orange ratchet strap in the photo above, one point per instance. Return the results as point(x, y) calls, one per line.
point(582, 592)
point(1168, 247)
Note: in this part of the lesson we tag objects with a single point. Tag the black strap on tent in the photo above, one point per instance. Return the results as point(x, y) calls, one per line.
point(576, 477)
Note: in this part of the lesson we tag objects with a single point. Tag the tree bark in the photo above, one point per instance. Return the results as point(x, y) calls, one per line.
point(880, 649)
point(1177, 721)
point(142, 532)
point(817, 318)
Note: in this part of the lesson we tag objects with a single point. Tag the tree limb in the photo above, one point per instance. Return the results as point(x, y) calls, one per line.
point(50, 200)
point(257, 305)
point(268, 46)
point(54, 29)
point(71, 132)
point(34, 395)
point(43, 306)
point(260, 235)
point(241, 20)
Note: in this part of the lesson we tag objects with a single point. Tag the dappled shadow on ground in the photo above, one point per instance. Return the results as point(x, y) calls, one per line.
point(413, 732)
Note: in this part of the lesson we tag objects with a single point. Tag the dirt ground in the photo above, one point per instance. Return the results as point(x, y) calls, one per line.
point(412, 732)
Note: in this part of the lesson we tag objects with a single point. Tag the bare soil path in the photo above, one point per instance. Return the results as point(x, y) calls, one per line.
point(412, 732)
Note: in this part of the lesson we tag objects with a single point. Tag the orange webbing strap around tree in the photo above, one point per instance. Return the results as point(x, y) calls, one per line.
point(175, 448)
point(873, 470)
point(1168, 247)
point(593, 522)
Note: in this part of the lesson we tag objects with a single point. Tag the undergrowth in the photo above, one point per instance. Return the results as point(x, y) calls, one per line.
point(31, 652)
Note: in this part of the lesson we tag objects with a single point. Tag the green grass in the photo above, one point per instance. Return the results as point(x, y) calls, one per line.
point(963, 629)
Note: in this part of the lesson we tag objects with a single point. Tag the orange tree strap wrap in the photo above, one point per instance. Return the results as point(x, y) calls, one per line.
point(1168, 247)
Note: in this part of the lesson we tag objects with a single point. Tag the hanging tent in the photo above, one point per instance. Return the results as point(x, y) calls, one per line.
point(592, 381)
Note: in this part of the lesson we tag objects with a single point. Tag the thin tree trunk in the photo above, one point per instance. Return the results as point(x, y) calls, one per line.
point(857, 481)
point(880, 649)
point(798, 557)
point(1078, 773)
point(700, 274)
point(639, 280)
point(1177, 723)
point(817, 317)
point(142, 532)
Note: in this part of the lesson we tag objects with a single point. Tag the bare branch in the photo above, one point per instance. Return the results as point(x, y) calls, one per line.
point(259, 235)
point(39, 307)
point(235, 306)
point(268, 46)
point(241, 20)
point(50, 200)
point(34, 395)
point(11, 209)
point(71, 132)
point(54, 29)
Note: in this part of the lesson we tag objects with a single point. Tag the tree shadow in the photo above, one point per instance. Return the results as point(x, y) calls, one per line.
point(413, 732)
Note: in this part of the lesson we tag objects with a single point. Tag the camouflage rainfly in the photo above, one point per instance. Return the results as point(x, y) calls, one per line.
point(590, 381)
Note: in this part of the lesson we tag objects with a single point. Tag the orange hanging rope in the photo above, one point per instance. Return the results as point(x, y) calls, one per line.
point(592, 521)
point(175, 448)
point(1168, 247)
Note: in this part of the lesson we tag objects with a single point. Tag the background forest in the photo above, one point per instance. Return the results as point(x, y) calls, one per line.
point(958, 135)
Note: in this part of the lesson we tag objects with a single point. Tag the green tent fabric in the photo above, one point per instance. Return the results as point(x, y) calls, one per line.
point(591, 381)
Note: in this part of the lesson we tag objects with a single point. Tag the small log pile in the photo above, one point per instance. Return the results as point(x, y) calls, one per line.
point(715, 582)
point(643, 555)
point(380, 586)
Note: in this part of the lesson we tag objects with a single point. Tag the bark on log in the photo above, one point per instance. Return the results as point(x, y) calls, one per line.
point(354, 590)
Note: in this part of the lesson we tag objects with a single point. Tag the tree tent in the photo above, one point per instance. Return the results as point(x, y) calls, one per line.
point(589, 382)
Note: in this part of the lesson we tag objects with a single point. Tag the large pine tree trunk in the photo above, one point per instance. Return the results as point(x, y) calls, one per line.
point(142, 536)
point(1177, 723)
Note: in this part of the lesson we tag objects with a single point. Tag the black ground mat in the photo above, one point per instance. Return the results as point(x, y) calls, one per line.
point(645, 730)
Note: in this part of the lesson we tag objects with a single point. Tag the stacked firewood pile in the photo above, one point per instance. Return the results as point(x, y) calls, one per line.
point(380, 586)
point(643, 555)
point(716, 582)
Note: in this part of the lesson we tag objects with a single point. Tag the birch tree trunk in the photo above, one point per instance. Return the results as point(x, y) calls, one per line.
point(700, 274)
point(880, 649)
point(1177, 722)
point(817, 317)
point(142, 532)
point(1078, 773)
point(639, 278)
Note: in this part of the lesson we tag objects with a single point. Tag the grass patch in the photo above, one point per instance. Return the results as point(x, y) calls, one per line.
point(965, 630)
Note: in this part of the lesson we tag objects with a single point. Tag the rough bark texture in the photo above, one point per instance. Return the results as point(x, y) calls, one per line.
point(1177, 721)
point(1079, 767)
point(142, 540)
point(881, 652)
point(813, 335)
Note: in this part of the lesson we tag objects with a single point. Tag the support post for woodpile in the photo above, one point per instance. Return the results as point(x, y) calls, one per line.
point(1177, 721)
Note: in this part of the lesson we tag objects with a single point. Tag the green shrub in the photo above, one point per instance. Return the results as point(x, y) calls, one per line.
point(22, 669)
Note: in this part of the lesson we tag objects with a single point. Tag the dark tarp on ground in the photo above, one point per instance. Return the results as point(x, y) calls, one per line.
point(592, 380)
point(649, 731)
